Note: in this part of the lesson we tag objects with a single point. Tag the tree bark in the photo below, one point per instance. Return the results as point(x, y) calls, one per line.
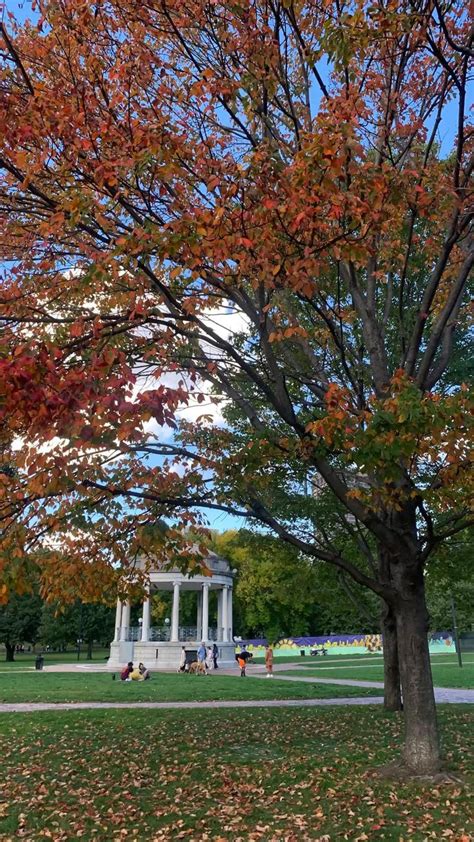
point(89, 649)
point(9, 652)
point(388, 622)
point(421, 752)
point(391, 669)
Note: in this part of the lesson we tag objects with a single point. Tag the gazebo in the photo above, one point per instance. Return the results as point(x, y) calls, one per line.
point(159, 647)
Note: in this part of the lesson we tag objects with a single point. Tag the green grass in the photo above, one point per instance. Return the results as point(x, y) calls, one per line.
point(310, 660)
point(163, 687)
point(445, 668)
point(225, 775)
point(26, 660)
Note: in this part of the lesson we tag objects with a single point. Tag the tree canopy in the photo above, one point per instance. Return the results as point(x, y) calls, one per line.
point(206, 203)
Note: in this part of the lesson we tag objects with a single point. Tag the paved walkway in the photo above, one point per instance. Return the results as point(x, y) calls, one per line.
point(443, 696)
point(33, 707)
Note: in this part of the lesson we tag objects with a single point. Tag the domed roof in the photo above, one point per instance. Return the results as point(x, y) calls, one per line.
point(217, 566)
point(217, 563)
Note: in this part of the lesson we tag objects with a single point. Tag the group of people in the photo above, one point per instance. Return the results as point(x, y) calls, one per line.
point(206, 658)
point(243, 657)
point(131, 673)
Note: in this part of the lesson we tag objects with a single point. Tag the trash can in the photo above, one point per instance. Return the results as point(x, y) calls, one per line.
point(302, 652)
point(39, 662)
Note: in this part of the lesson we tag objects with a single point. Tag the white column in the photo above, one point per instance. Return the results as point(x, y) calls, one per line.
point(230, 620)
point(125, 623)
point(219, 614)
point(146, 620)
point(225, 613)
point(205, 612)
point(175, 613)
point(118, 618)
point(199, 616)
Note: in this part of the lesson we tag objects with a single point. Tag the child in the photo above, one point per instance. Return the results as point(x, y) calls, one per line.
point(269, 660)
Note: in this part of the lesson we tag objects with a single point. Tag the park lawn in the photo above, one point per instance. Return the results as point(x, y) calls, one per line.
point(444, 674)
point(351, 658)
point(215, 775)
point(310, 660)
point(26, 660)
point(163, 687)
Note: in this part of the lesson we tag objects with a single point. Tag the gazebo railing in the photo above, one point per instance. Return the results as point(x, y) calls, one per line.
point(163, 634)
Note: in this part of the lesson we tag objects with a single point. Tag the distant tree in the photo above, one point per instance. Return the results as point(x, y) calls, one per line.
point(450, 577)
point(279, 592)
point(19, 622)
point(56, 630)
point(90, 623)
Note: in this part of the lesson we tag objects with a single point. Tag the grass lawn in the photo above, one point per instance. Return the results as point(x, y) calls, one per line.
point(446, 671)
point(224, 776)
point(310, 660)
point(26, 660)
point(163, 687)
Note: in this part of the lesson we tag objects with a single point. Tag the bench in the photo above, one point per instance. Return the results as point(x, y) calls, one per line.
point(318, 650)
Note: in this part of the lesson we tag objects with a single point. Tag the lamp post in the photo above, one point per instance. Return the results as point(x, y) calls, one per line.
point(79, 639)
point(455, 630)
point(167, 624)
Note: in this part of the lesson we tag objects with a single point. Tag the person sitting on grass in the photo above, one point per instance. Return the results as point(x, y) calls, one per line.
point(126, 672)
point(145, 674)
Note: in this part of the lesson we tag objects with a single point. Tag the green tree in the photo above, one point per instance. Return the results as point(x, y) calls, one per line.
point(449, 576)
point(280, 592)
point(65, 625)
point(19, 622)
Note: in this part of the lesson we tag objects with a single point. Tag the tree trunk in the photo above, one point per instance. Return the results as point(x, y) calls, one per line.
point(9, 652)
point(421, 752)
point(388, 622)
point(391, 670)
point(90, 644)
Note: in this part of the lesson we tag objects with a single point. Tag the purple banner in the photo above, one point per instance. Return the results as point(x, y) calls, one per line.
point(334, 639)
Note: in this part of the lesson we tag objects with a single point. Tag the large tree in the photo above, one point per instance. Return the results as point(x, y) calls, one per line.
point(174, 169)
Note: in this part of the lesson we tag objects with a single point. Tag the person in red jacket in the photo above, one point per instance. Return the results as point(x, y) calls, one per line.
point(125, 674)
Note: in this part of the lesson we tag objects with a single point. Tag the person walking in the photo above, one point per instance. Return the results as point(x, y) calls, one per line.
point(269, 660)
point(201, 656)
point(182, 660)
point(215, 655)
